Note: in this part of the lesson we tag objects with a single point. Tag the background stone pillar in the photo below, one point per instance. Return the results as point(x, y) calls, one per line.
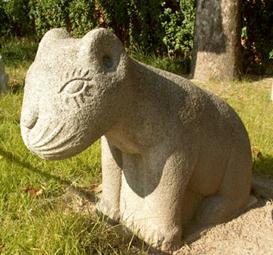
point(3, 77)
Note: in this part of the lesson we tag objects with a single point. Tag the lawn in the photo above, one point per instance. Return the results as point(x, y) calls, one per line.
point(35, 217)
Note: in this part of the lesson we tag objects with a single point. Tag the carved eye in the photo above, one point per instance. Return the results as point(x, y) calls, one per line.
point(74, 86)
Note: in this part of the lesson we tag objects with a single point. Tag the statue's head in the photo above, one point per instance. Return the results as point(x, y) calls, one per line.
point(73, 92)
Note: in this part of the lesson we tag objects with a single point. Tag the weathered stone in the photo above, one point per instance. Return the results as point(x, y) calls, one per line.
point(173, 155)
point(3, 77)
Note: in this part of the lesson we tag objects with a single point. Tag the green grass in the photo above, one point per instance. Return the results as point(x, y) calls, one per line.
point(178, 66)
point(36, 217)
point(18, 55)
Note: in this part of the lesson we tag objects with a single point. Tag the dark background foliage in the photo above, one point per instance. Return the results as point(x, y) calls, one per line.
point(257, 35)
point(162, 28)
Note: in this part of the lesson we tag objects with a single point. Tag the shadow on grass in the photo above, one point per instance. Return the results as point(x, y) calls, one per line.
point(263, 164)
point(27, 166)
point(16, 89)
point(262, 181)
point(255, 77)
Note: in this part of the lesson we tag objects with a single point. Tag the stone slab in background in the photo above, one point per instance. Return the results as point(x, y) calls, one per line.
point(3, 77)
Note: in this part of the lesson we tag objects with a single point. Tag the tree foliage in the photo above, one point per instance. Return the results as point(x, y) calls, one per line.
point(257, 34)
point(161, 27)
point(156, 26)
point(14, 17)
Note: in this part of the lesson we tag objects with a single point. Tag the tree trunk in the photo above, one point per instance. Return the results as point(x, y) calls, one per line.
point(217, 45)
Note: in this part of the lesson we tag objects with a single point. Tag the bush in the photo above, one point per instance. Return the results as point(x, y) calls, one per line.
point(257, 36)
point(4, 20)
point(14, 18)
point(82, 16)
point(47, 14)
point(145, 31)
point(178, 25)
point(157, 27)
point(77, 17)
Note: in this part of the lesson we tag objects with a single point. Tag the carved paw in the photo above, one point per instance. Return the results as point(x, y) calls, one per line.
point(107, 210)
point(160, 237)
point(165, 240)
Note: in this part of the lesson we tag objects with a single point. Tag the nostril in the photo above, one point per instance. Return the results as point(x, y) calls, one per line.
point(29, 119)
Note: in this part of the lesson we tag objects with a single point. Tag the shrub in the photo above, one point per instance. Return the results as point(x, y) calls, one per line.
point(14, 17)
point(47, 14)
point(82, 16)
point(154, 26)
point(178, 25)
point(77, 17)
point(4, 20)
point(257, 36)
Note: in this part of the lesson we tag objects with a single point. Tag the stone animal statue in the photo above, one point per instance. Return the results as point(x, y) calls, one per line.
point(3, 77)
point(173, 155)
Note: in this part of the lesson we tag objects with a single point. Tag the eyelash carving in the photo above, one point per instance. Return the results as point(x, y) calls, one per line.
point(76, 82)
point(74, 86)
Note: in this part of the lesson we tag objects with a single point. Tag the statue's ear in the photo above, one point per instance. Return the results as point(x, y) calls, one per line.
point(49, 37)
point(53, 35)
point(102, 50)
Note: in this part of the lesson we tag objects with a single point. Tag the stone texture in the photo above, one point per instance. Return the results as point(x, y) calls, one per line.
point(3, 77)
point(174, 157)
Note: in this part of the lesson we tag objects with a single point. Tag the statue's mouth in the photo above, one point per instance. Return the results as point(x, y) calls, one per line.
point(51, 143)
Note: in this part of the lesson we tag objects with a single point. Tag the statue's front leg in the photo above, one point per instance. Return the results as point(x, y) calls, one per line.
point(111, 180)
point(163, 207)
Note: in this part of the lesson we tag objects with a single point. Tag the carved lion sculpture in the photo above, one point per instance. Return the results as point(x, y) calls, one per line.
point(173, 155)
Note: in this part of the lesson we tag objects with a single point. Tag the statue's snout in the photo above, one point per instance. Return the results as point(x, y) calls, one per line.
point(29, 118)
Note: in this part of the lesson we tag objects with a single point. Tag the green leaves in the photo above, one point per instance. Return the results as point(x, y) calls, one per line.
point(14, 17)
point(157, 27)
point(178, 25)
